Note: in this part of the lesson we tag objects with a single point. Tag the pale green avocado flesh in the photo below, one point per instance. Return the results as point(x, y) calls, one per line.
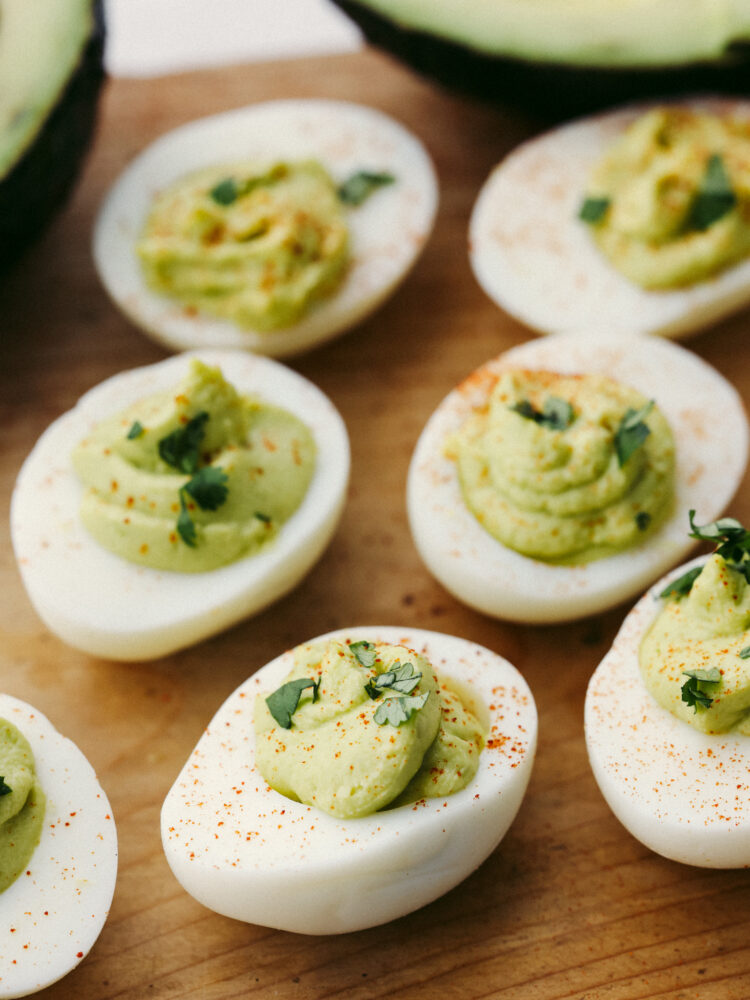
point(22, 804)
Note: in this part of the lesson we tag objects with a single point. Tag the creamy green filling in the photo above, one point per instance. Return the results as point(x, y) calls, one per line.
point(594, 478)
point(344, 753)
point(22, 803)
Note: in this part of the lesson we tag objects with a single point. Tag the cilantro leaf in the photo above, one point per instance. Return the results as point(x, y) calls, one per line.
point(693, 694)
point(744, 654)
point(632, 432)
point(282, 704)
point(593, 210)
point(714, 197)
point(262, 517)
point(642, 520)
point(395, 710)
point(4, 789)
point(556, 414)
point(135, 431)
point(361, 185)
point(180, 449)
point(207, 487)
point(683, 584)
point(225, 192)
point(185, 525)
point(733, 539)
point(402, 677)
point(364, 652)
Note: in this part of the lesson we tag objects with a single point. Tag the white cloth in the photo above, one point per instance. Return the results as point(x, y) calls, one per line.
point(155, 37)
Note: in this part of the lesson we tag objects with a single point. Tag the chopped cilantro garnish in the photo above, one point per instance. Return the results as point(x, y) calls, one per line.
point(282, 704)
point(401, 677)
point(364, 652)
point(593, 210)
point(207, 487)
point(642, 520)
point(556, 414)
point(632, 432)
point(4, 789)
point(135, 431)
point(714, 197)
point(734, 541)
point(361, 185)
point(181, 448)
point(225, 192)
point(693, 690)
point(262, 517)
point(185, 525)
point(394, 710)
point(745, 653)
point(683, 584)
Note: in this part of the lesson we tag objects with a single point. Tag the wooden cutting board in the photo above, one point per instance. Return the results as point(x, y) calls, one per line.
point(569, 905)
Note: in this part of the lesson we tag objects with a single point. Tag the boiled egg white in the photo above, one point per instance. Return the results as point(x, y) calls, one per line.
point(683, 793)
point(387, 231)
point(710, 430)
point(108, 607)
point(535, 258)
point(53, 913)
point(248, 852)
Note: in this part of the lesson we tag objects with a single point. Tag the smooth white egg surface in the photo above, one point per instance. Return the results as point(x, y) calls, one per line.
point(536, 259)
point(106, 606)
point(53, 913)
point(683, 793)
point(248, 852)
point(710, 430)
point(387, 231)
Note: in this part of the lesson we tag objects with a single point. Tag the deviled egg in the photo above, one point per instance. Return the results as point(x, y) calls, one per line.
point(252, 853)
point(53, 911)
point(536, 256)
point(200, 264)
point(193, 510)
point(710, 439)
point(666, 713)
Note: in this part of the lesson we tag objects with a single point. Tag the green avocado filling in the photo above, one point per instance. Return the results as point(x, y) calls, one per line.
point(695, 658)
point(193, 479)
point(362, 726)
point(669, 203)
point(565, 468)
point(22, 803)
point(256, 245)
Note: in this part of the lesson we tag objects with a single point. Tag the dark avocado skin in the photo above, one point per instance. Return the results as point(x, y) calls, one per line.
point(550, 91)
point(37, 186)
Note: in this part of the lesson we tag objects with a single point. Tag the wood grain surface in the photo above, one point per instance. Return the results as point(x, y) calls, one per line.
point(569, 905)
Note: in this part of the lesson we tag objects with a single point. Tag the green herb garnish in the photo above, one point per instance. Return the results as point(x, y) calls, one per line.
point(693, 693)
point(683, 584)
point(714, 198)
point(593, 210)
point(181, 448)
point(207, 487)
point(4, 789)
point(265, 518)
point(556, 414)
point(135, 431)
point(734, 547)
point(642, 520)
point(395, 710)
point(225, 192)
point(745, 653)
point(364, 652)
point(632, 432)
point(361, 185)
point(282, 704)
point(401, 677)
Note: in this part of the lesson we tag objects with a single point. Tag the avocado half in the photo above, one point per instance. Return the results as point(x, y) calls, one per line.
point(560, 57)
point(51, 72)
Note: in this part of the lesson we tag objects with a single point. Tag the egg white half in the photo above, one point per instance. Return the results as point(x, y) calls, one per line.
point(248, 852)
point(53, 913)
point(683, 793)
point(387, 232)
point(109, 607)
point(536, 259)
point(710, 429)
